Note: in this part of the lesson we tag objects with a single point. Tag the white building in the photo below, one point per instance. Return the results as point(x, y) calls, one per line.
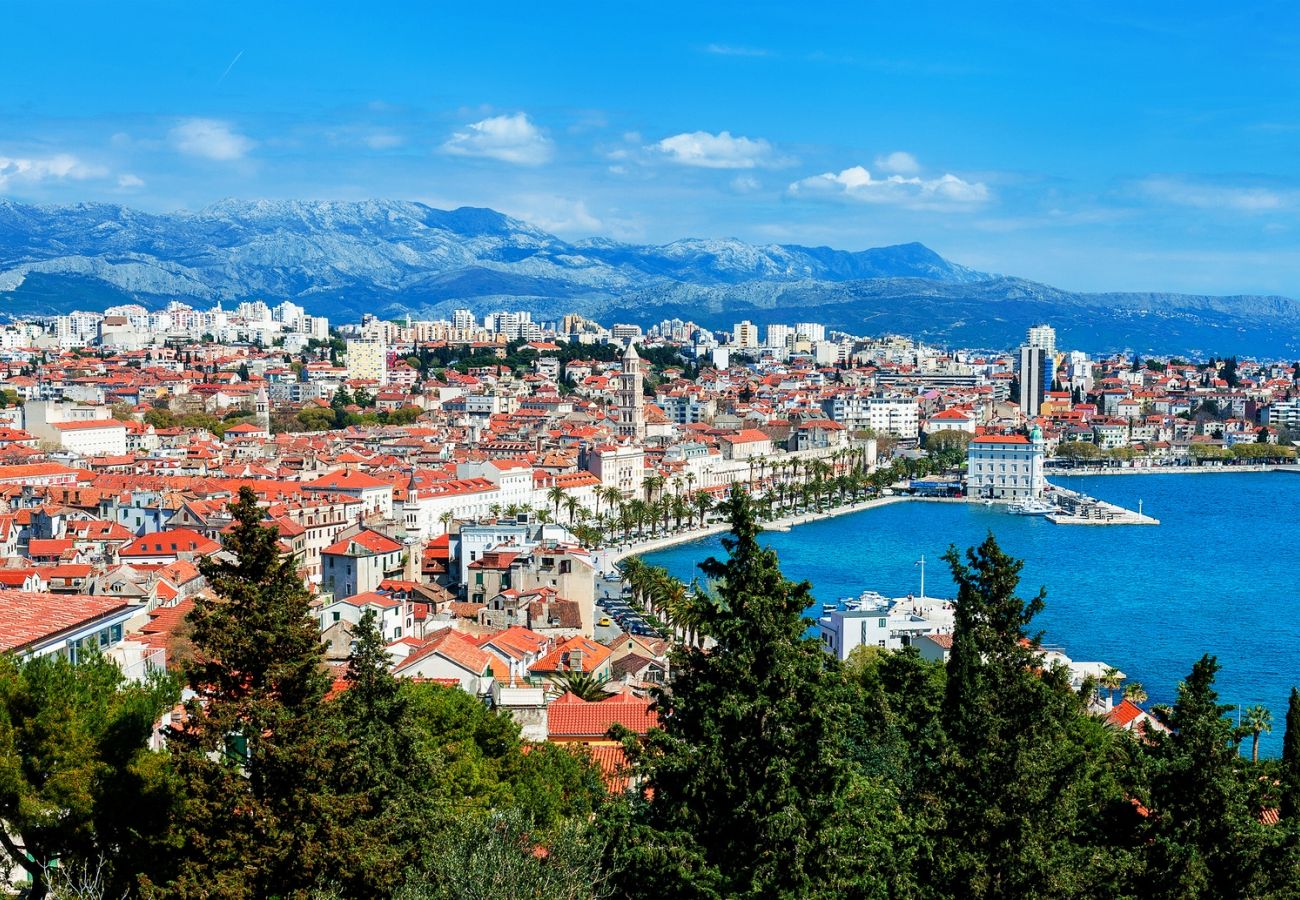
point(745, 335)
point(106, 437)
point(1005, 466)
point(890, 626)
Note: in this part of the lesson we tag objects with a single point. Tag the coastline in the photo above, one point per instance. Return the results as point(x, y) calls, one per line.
point(609, 557)
point(1168, 470)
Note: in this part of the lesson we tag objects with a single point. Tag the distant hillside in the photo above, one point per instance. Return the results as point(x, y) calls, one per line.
point(393, 257)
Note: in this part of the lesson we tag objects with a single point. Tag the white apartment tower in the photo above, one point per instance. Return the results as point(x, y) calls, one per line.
point(631, 402)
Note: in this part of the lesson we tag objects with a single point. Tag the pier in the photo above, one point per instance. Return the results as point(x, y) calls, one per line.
point(1080, 509)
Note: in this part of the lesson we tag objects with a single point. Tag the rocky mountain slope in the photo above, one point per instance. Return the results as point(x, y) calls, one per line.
point(392, 257)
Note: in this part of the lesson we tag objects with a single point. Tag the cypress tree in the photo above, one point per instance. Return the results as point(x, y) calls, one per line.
point(384, 774)
point(1207, 839)
point(1291, 759)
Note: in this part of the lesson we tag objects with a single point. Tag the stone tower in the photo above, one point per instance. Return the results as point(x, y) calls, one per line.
point(262, 408)
point(631, 402)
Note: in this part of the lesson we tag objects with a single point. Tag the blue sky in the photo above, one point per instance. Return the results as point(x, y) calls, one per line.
point(1095, 146)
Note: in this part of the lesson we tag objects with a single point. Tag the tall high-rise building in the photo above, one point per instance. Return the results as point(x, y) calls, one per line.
point(368, 359)
point(779, 335)
point(1031, 379)
point(1044, 336)
point(745, 334)
point(631, 402)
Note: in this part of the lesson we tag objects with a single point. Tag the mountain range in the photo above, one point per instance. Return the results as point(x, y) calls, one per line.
point(341, 259)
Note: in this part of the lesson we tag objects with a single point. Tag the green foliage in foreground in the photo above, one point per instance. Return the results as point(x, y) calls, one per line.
point(778, 772)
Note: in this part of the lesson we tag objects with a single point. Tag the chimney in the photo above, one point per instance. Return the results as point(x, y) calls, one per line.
point(575, 660)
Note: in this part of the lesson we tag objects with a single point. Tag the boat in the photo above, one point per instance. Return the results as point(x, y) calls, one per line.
point(1031, 507)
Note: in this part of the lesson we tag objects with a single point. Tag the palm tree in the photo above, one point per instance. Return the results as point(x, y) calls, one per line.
point(653, 484)
point(556, 496)
point(1135, 693)
point(581, 685)
point(1256, 720)
point(571, 505)
point(446, 520)
point(1110, 680)
point(703, 503)
point(681, 509)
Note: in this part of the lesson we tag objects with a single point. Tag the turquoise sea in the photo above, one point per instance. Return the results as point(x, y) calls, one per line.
point(1218, 575)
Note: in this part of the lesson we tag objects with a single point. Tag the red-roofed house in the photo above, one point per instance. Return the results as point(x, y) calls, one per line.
point(356, 564)
point(377, 495)
point(570, 720)
point(163, 547)
point(37, 624)
point(448, 654)
point(577, 654)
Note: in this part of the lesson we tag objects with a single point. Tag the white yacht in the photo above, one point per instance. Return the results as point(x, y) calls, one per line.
point(1031, 507)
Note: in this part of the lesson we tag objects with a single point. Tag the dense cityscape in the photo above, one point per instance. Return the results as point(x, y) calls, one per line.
point(467, 500)
point(662, 451)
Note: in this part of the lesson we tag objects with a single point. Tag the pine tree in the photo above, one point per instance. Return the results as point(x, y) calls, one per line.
point(255, 752)
point(74, 765)
point(751, 793)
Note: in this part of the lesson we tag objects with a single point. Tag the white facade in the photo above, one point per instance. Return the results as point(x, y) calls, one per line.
point(842, 630)
point(1005, 466)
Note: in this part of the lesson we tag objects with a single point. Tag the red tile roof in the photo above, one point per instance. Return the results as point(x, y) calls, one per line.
point(27, 617)
point(170, 543)
point(571, 718)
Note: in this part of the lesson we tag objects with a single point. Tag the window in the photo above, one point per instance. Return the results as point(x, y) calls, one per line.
point(336, 616)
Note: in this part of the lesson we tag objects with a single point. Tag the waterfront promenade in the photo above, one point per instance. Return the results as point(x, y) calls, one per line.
point(608, 557)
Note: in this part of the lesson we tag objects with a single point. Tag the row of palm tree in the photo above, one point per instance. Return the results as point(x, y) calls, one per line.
point(678, 607)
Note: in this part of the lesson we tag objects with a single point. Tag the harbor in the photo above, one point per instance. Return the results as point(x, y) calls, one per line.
point(1099, 581)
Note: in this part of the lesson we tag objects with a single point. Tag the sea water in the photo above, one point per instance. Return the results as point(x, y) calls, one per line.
point(1220, 574)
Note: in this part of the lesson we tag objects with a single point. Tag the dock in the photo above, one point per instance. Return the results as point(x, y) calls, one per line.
point(1080, 509)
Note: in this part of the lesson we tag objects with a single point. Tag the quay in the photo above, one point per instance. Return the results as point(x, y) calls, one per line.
point(1080, 509)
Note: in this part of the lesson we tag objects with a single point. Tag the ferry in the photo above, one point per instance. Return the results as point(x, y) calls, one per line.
point(1031, 507)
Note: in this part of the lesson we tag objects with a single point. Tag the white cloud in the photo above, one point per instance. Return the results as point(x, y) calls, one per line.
point(745, 184)
point(59, 167)
point(383, 140)
point(560, 215)
point(1200, 195)
point(210, 139)
point(129, 181)
point(512, 139)
point(856, 183)
point(898, 163)
point(734, 50)
point(718, 151)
